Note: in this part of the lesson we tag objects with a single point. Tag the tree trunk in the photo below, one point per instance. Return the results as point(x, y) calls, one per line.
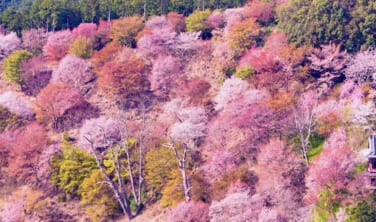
point(120, 195)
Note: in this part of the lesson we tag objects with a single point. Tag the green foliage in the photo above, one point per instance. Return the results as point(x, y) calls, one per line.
point(62, 14)
point(321, 21)
point(315, 145)
point(244, 72)
point(327, 206)
point(97, 197)
point(363, 211)
point(70, 168)
point(82, 47)
point(9, 120)
point(172, 192)
point(160, 163)
point(360, 168)
point(316, 142)
point(195, 22)
point(11, 65)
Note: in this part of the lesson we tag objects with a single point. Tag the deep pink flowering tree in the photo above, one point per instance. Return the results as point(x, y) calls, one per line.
point(57, 45)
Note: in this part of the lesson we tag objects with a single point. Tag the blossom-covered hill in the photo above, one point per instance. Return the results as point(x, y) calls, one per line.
point(224, 115)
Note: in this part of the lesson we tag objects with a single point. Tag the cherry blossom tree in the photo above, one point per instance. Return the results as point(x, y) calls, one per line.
point(35, 74)
point(23, 158)
point(87, 30)
point(54, 101)
point(17, 103)
point(261, 60)
point(363, 114)
point(351, 91)
point(262, 11)
point(33, 40)
point(215, 21)
point(230, 90)
point(73, 71)
point(43, 167)
point(280, 180)
point(8, 43)
point(176, 21)
point(232, 16)
point(332, 167)
point(57, 45)
point(156, 42)
point(95, 129)
point(235, 207)
point(190, 128)
point(362, 66)
point(189, 211)
point(197, 90)
point(191, 125)
point(126, 152)
point(329, 115)
point(13, 211)
point(164, 74)
point(157, 22)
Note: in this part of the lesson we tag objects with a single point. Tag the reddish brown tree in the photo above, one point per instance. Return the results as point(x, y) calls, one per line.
point(28, 144)
point(57, 45)
point(54, 101)
point(123, 79)
point(176, 21)
point(108, 53)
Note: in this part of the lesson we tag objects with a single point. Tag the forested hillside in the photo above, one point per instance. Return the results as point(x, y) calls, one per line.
point(187, 111)
point(55, 15)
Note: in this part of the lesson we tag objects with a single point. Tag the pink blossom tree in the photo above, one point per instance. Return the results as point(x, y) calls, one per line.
point(189, 211)
point(176, 21)
point(157, 22)
point(187, 131)
point(35, 74)
point(73, 71)
point(23, 158)
point(230, 90)
point(156, 42)
point(57, 45)
point(362, 67)
point(17, 103)
point(94, 129)
point(235, 207)
point(262, 11)
point(261, 60)
point(332, 167)
point(363, 114)
point(351, 91)
point(191, 125)
point(164, 74)
point(232, 16)
point(13, 211)
point(33, 40)
point(8, 43)
point(54, 102)
point(215, 21)
point(87, 30)
point(280, 180)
